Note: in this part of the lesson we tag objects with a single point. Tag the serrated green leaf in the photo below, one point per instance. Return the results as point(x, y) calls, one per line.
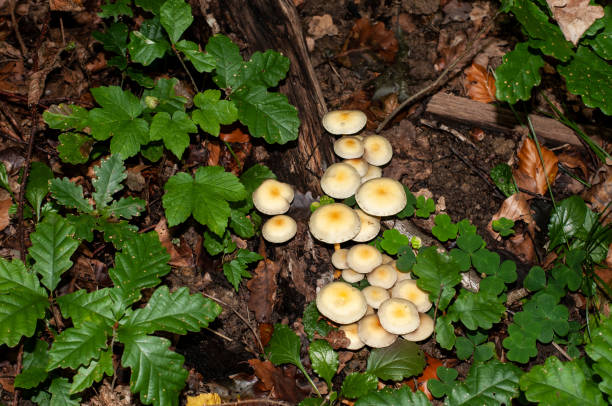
point(126, 207)
point(109, 175)
point(69, 194)
point(38, 185)
point(591, 77)
point(150, 5)
point(174, 130)
point(95, 307)
point(114, 39)
point(394, 397)
point(241, 224)
point(34, 367)
point(235, 270)
point(149, 43)
point(267, 68)
point(267, 115)
point(438, 274)
point(502, 176)
point(312, 323)
point(60, 393)
point(444, 228)
point(400, 360)
point(324, 360)
point(212, 111)
point(66, 116)
point(559, 383)
point(518, 74)
point(358, 384)
point(254, 176)
point(165, 96)
point(477, 309)
point(206, 196)
point(600, 351)
point(139, 265)
point(175, 16)
point(445, 332)
point(177, 312)
point(393, 240)
point(202, 62)
point(116, 9)
point(117, 233)
point(284, 346)
point(140, 77)
point(491, 384)
point(599, 35)
point(215, 245)
point(157, 373)
point(52, 247)
point(227, 59)
point(74, 148)
point(77, 346)
point(153, 151)
point(86, 376)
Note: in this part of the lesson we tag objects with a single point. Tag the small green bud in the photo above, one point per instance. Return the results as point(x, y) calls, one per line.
point(151, 102)
point(416, 242)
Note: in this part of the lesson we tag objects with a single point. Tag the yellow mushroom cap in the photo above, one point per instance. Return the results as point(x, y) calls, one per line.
point(372, 173)
point(381, 197)
point(375, 296)
point(373, 334)
point(398, 316)
point(334, 223)
point(363, 258)
point(408, 289)
point(348, 147)
point(383, 276)
point(341, 303)
point(344, 121)
point(360, 165)
point(370, 226)
point(279, 229)
point(338, 258)
point(378, 150)
point(340, 181)
point(425, 329)
point(351, 276)
point(351, 332)
point(273, 197)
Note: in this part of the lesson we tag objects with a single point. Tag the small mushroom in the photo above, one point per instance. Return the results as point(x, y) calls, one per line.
point(341, 303)
point(348, 147)
point(378, 150)
point(340, 181)
point(343, 122)
point(381, 197)
point(279, 229)
point(273, 197)
point(383, 276)
point(398, 316)
point(373, 334)
point(375, 296)
point(370, 226)
point(363, 258)
point(360, 165)
point(338, 259)
point(351, 276)
point(408, 290)
point(351, 332)
point(387, 259)
point(334, 223)
point(425, 329)
point(372, 173)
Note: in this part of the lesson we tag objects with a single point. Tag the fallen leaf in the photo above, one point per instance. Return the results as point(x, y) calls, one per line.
point(5, 204)
point(273, 379)
point(573, 160)
point(480, 84)
point(97, 64)
point(265, 333)
point(214, 152)
point(430, 372)
point(530, 175)
point(515, 208)
point(600, 194)
point(66, 5)
point(337, 339)
point(320, 26)
point(365, 36)
point(181, 257)
point(235, 136)
point(263, 290)
point(574, 17)
point(204, 399)
point(120, 395)
point(480, 10)
point(135, 180)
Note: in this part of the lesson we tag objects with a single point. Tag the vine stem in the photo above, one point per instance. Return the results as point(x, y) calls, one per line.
point(176, 52)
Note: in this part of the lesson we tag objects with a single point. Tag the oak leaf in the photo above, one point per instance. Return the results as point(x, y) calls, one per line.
point(480, 84)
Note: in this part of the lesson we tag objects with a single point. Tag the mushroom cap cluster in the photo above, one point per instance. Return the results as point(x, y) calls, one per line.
point(274, 198)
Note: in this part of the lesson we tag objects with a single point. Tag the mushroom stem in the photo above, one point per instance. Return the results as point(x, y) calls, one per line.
point(336, 247)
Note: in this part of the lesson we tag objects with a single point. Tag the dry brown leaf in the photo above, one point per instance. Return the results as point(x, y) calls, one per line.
point(181, 257)
point(574, 17)
point(600, 194)
point(204, 399)
point(5, 205)
point(515, 208)
point(337, 339)
point(66, 5)
point(480, 84)
point(214, 152)
point(235, 136)
point(374, 37)
point(320, 26)
point(273, 379)
point(97, 64)
point(263, 290)
point(530, 175)
point(574, 160)
point(265, 333)
point(118, 396)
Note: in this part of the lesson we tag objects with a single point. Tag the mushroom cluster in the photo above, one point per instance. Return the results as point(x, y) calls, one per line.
point(392, 305)
point(274, 198)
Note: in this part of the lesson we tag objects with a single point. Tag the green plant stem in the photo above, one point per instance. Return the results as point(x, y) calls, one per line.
point(573, 176)
point(301, 368)
point(227, 144)
point(178, 55)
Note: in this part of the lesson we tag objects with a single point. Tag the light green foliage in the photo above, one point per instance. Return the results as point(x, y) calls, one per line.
point(445, 332)
point(445, 382)
point(473, 343)
point(174, 130)
point(444, 228)
point(109, 175)
point(175, 17)
point(402, 396)
point(358, 384)
point(284, 346)
point(556, 383)
point(503, 226)
point(87, 375)
point(477, 309)
point(201, 62)
point(400, 360)
point(65, 117)
point(216, 245)
point(598, 36)
point(600, 351)
point(149, 43)
point(235, 270)
point(324, 360)
point(425, 206)
point(502, 176)
point(438, 274)
point(468, 245)
point(77, 346)
point(74, 148)
point(83, 307)
point(518, 74)
point(212, 112)
point(164, 97)
point(38, 185)
point(497, 275)
point(393, 240)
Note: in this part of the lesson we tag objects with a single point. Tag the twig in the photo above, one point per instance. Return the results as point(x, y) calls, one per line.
point(11, 118)
point(562, 351)
point(24, 50)
point(195, 87)
point(17, 372)
point(223, 336)
point(452, 131)
point(441, 79)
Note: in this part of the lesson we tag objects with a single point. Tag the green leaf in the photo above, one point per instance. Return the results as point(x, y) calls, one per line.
point(468, 244)
point(165, 96)
point(241, 224)
point(206, 197)
point(149, 43)
point(484, 352)
point(502, 176)
point(284, 346)
point(157, 372)
point(445, 332)
point(38, 185)
point(405, 259)
point(177, 312)
point(267, 115)
point(4, 182)
point(600, 351)
point(408, 210)
point(324, 360)
point(139, 77)
point(139, 265)
point(77, 346)
point(202, 62)
point(600, 42)
point(126, 207)
point(521, 340)
point(358, 384)
point(254, 176)
point(216, 245)
point(468, 345)
point(267, 68)
point(549, 316)
point(34, 367)
point(82, 307)
point(393, 240)
point(66, 116)
point(22, 302)
point(570, 273)
point(400, 360)
point(227, 59)
point(425, 207)
point(52, 247)
point(591, 77)
point(518, 74)
point(503, 226)
point(492, 383)
point(118, 233)
point(150, 5)
point(560, 383)
point(444, 386)
point(74, 148)
point(444, 228)
point(464, 347)
point(235, 270)
point(116, 9)
point(86, 376)
point(438, 274)
point(176, 17)
point(477, 309)
point(312, 323)
point(212, 112)
point(535, 279)
point(60, 393)
point(394, 397)
point(69, 194)
point(109, 175)
point(174, 130)
point(153, 151)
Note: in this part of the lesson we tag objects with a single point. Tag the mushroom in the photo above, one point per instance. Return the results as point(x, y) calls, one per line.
point(375, 295)
point(373, 334)
point(408, 290)
point(334, 223)
point(398, 316)
point(378, 150)
point(348, 147)
point(279, 229)
point(340, 181)
point(383, 276)
point(360, 165)
point(373, 172)
point(370, 226)
point(426, 327)
point(381, 197)
point(387, 259)
point(363, 258)
point(273, 197)
point(400, 274)
point(342, 122)
point(350, 331)
point(338, 258)
point(351, 276)
point(341, 303)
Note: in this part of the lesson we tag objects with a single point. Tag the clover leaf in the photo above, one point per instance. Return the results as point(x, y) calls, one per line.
point(444, 228)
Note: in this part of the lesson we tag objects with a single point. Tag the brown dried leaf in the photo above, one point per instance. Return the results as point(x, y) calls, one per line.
point(181, 257)
point(214, 153)
point(5, 205)
point(273, 379)
point(517, 208)
point(320, 26)
point(574, 17)
point(235, 136)
point(530, 174)
point(573, 159)
point(480, 84)
point(120, 395)
point(600, 195)
point(263, 290)
point(337, 339)
point(375, 37)
point(66, 5)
